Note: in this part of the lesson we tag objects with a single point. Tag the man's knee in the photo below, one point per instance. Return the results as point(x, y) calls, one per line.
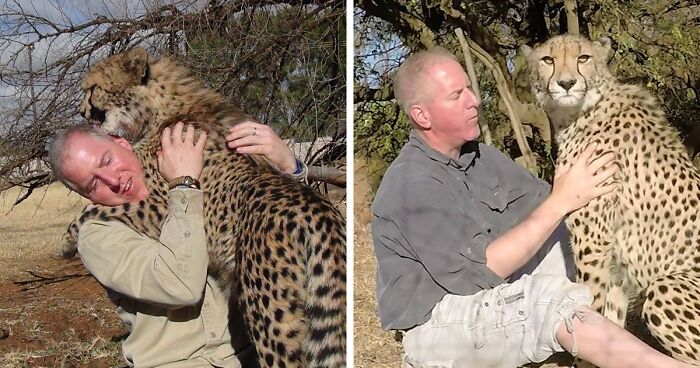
point(567, 329)
point(559, 288)
point(556, 301)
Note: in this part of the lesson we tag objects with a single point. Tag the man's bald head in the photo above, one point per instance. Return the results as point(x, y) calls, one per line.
point(411, 86)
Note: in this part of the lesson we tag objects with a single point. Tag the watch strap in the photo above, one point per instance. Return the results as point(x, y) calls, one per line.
point(184, 181)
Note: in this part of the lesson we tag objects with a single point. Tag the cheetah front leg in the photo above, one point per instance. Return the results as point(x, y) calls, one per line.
point(271, 280)
point(593, 260)
point(618, 294)
point(68, 246)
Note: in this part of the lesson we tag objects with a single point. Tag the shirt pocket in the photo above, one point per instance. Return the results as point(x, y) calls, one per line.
point(496, 198)
point(475, 250)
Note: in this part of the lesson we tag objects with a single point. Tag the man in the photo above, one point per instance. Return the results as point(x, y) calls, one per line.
point(452, 219)
point(176, 316)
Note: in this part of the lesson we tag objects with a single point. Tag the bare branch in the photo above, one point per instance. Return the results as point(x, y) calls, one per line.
point(281, 61)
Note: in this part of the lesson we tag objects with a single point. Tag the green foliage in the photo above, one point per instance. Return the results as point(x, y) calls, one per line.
point(656, 45)
point(380, 130)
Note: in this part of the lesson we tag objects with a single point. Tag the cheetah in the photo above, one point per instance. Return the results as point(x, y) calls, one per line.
point(642, 240)
point(276, 244)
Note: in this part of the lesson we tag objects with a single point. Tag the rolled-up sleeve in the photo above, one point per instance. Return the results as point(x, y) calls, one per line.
point(170, 271)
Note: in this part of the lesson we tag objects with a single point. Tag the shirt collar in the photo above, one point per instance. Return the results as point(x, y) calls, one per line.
point(468, 152)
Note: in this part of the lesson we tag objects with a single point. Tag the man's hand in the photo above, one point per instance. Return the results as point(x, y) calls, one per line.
point(580, 182)
point(178, 154)
point(252, 137)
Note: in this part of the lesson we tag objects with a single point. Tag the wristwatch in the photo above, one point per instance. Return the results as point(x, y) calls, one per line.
point(184, 181)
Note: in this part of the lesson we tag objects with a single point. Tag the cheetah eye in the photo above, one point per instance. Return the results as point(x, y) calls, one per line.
point(583, 58)
point(548, 60)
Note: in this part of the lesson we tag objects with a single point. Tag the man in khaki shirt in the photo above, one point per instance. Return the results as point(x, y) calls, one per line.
point(177, 316)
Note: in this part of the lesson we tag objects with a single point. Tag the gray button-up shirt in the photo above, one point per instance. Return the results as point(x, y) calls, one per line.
point(432, 220)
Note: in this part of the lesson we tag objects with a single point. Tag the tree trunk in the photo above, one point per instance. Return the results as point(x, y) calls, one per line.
point(528, 159)
point(483, 125)
point(571, 17)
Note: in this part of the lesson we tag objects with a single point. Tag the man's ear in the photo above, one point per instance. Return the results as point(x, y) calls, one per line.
point(420, 116)
point(122, 142)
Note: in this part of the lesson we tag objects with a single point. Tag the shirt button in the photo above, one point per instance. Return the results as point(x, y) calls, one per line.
point(206, 305)
point(213, 334)
point(187, 234)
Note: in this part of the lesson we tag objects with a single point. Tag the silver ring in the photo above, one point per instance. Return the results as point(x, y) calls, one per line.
point(255, 130)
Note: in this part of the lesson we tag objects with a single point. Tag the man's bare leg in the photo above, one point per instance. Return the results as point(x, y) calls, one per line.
point(607, 345)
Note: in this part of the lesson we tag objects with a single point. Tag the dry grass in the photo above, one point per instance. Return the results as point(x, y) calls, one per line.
point(373, 347)
point(50, 314)
point(53, 316)
point(35, 226)
point(72, 354)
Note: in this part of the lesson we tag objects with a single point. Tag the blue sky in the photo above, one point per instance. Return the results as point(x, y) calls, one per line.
point(17, 33)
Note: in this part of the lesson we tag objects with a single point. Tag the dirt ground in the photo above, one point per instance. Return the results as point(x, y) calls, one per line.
point(52, 312)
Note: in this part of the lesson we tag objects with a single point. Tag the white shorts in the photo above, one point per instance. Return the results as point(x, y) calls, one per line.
point(507, 326)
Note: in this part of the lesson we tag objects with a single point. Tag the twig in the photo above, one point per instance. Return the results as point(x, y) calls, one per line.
point(507, 98)
point(41, 281)
point(483, 124)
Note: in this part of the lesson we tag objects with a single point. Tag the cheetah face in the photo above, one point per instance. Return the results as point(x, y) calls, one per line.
point(567, 70)
point(115, 94)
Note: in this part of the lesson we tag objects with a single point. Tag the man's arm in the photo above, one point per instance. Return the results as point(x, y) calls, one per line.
point(170, 271)
point(573, 188)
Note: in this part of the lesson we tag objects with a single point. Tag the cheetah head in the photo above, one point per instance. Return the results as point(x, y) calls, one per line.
point(116, 95)
point(567, 71)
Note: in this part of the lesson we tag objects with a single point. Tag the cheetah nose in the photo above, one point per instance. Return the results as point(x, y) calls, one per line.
point(566, 84)
point(97, 114)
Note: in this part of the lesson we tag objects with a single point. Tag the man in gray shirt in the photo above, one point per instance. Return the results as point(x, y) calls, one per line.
point(453, 219)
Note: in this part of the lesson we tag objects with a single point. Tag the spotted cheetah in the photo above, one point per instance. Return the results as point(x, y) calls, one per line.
point(642, 240)
point(275, 243)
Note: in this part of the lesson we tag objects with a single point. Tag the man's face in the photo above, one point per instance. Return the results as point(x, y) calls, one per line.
point(451, 107)
point(106, 172)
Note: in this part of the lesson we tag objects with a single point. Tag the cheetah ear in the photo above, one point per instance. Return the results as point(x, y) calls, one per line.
point(605, 43)
point(137, 64)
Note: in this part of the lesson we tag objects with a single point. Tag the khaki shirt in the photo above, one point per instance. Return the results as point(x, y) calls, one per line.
point(158, 286)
